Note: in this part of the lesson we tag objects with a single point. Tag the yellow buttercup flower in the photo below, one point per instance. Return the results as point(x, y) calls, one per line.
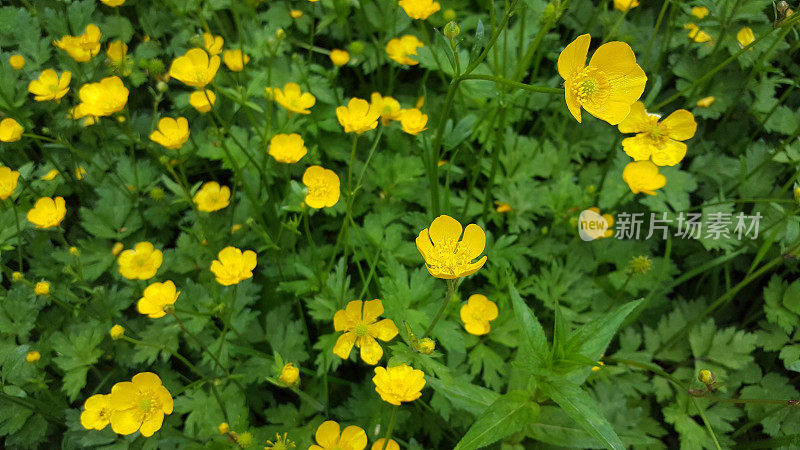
point(203, 100)
point(47, 212)
point(477, 313)
point(17, 62)
point(379, 445)
point(745, 37)
point(699, 11)
point(195, 68)
point(155, 299)
point(290, 375)
point(705, 102)
point(96, 413)
point(643, 176)
point(10, 130)
point(361, 328)
point(139, 405)
point(413, 121)
point(696, 34)
point(116, 332)
point(358, 116)
point(84, 47)
point(339, 57)
point(80, 172)
point(224, 428)
point(609, 220)
point(33, 356)
point(295, 13)
point(389, 108)
point(287, 148)
point(323, 187)
point(419, 9)
point(212, 197)
point(503, 207)
point(103, 98)
point(657, 140)
point(141, 262)
point(399, 384)
point(213, 44)
point(171, 133)
point(608, 86)
point(113, 3)
point(328, 437)
point(232, 265)
point(50, 86)
point(625, 5)
point(291, 98)
point(117, 51)
point(399, 49)
point(445, 255)
point(51, 175)
point(235, 60)
point(8, 182)
point(41, 288)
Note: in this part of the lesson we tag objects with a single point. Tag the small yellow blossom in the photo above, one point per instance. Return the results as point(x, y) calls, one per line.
point(113, 3)
point(600, 364)
point(224, 428)
point(155, 299)
point(608, 86)
point(696, 34)
point(232, 265)
point(291, 98)
point(41, 288)
point(80, 172)
point(33, 356)
point(84, 47)
point(17, 276)
point(51, 175)
point(213, 44)
point(116, 332)
point(379, 445)
point(96, 412)
point(74, 251)
point(139, 405)
point(103, 98)
point(47, 212)
point(699, 11)
point(445, 255)
point(329, 438)
point(171, 133)
point(609, 221)
point(203, 100)
point(361, 328)
point(212, 197)
point(141, 262)
point(706, 377)
point(195, 68)
point(322, 185)
point(705, 102)
point(117, 51)
point(399, 49)
point(235, 227)
point(643, 176)
point(399, 384)
point(17, 62)
point(413, 121)
point(235, 60)
point(389, 108)
point(295, 13)
point(287, 148)
point(117, 248)
point(290, 375)
point(745, 37)
point(358, 116)
point(419, 9)
point(503, 207)
point(657, 140)
point(8, 182)
point(10, 130)
point(625, 5)
point(339, 57)
point(477, 313)
point(426, 346)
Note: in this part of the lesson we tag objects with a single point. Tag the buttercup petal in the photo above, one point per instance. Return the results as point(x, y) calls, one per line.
point(384, 330)
point(475, 239)
point(444, 228)
point(636, 121)
point(671, 153)
point(573, 57)
point(344, 345)
point(372, 309)
point(327, 434)
point(371, 350)
point(680, 125)
point(354, 437)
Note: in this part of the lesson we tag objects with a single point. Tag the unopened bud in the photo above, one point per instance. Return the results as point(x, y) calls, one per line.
point(356, 47)
point(426, 346)
point(797, 194)
point(706, 377)
point(451, 30)
point(157, 194)
point(161, 86)
point(156, 67)
point(280, 34)
point(224, 428)
point(449, 15)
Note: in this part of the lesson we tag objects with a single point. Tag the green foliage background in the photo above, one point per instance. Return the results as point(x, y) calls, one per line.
point(730, 306)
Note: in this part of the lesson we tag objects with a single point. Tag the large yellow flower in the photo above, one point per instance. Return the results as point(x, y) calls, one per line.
point(477, 313)
point(389, 107)
point(96, 412)
point(171, 133)
point(141, 262)
point(419, 9)
point(659, 141)
point(323, 187)
point(399, 384)
point(212, 197)
point(50, 86)
point(103, 98)
point(140, 405)
point(445, 255)
point(608, 86)
point(643, 176)
point(117, 52)
point(156, 297)
point(8, 182)
point(232, 265)
point(358, 116)
point(287, 148)
point(10, 130)
point(47, 212)
point(362, 329)
point(84, 47)
point(291, 98)
point(399, 49)
point(413, 121)
point(195, 68)
point(328, 437)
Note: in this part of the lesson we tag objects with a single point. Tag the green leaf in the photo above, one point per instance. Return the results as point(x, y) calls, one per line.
point(532, 330)
point(470, 397)
point(594, 337)
point(584, 410)
point(501, 419)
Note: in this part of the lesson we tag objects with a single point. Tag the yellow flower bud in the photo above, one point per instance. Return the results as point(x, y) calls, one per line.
point(116, 331)
point(74, 251)
point(33, 356)
point(449, 15)
point(706, 377)
point(42, 288)
point(17, 62)
point(426, 346)
point(290, 375)
point(17, 276)
point(224, 428)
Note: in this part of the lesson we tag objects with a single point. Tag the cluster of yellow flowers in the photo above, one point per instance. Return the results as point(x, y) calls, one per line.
point(136, 405)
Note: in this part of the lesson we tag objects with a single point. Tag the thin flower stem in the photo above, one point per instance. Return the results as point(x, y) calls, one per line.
point(516, 84)
point(616, 25)
point(452, 286)
point(660, 18)
point(19, 234)
point(390, 428)
point(166, 349)
point(622, 288)
point(203, 347)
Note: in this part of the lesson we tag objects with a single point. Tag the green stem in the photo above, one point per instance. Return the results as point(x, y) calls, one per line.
point(516, 84)
point(391, 426)
point(451, 289)
point(203, 347)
